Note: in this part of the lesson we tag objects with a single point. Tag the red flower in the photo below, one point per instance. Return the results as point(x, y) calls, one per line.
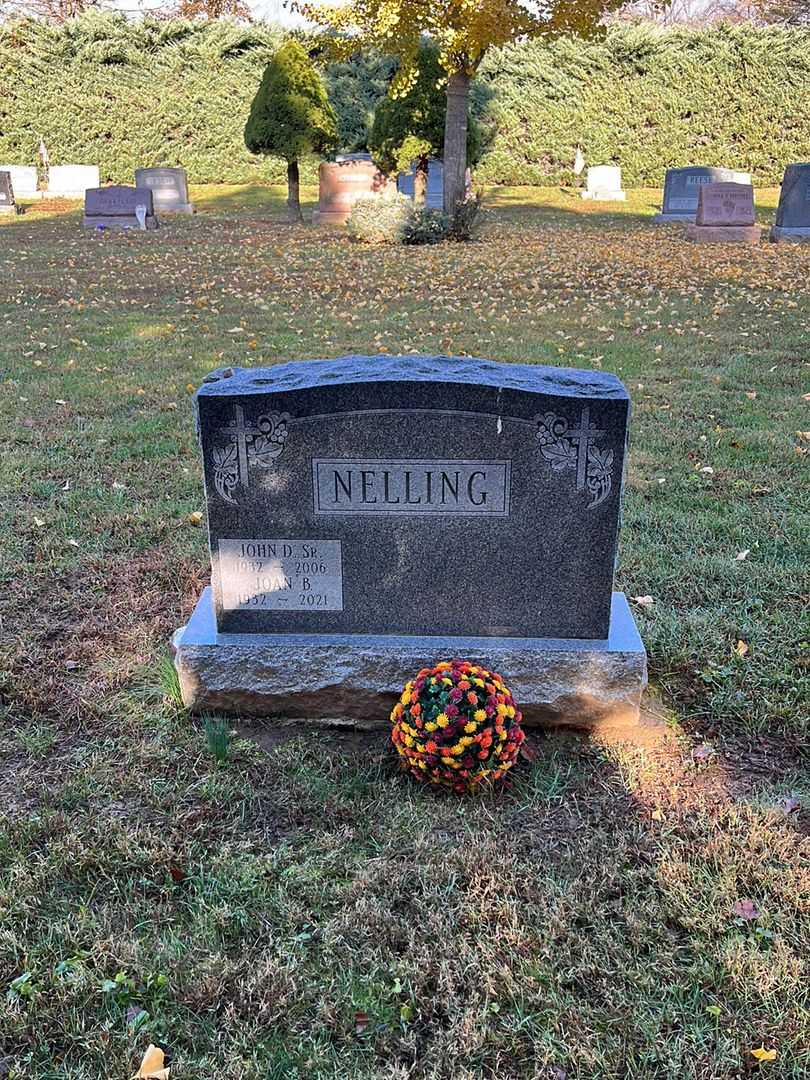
point(455, 694)
point(472, 698)
point(451, 710)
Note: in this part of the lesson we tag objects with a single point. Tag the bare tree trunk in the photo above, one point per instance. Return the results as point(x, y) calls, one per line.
point(455, 139)
point(294, 215)
point(420, 181)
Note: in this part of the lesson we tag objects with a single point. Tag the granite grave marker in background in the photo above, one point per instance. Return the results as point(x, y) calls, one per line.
point(793, 212)
point(72, 181)
point(169, 189)
point(682, 188)
point(367, 514)
point(725, 214)
point(603, 183)
point(23, 180)
point(7, 202)
point(119, 207)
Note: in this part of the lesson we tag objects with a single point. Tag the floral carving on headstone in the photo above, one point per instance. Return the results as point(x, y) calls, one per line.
point(250, 443)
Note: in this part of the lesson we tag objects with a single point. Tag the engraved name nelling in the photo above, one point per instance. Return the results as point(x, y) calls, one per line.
point(410, 487)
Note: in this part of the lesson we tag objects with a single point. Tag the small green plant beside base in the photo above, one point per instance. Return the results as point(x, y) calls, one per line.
point(393, 219)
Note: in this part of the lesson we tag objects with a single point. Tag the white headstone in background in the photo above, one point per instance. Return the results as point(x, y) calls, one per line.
point(604, 183)
point(72, 181)
point(23, 179)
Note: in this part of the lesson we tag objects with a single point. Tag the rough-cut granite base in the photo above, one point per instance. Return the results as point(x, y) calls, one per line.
point(724, 234)
point(117, 224)
point(356, 678)
point(789, 232)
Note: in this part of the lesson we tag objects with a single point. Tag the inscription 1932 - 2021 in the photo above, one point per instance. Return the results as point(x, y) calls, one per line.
point(405, 505)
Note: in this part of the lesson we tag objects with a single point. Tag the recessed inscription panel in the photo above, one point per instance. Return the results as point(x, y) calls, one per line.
point(342, 486)
point(281, 575)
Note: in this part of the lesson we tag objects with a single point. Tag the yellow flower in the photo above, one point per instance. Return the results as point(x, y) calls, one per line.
point(447, 682)
point(442, 720)
point(420, 746)
point(408, 740)
point(469, 728)
point(510, 712)
point(501, 710)
point(430, 726)
point(478, 682)
point(479, 716)
point(457, 750)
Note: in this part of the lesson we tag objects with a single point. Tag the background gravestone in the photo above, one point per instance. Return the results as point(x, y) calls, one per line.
point(793, 212)
point(23, 180)
point(434, 196)
point(604, 184)
point(725, 214)
point(7, 203)
point(682, 187)
point(72, 181)
point(367, 512)
point(117, 207)
point(169, 189)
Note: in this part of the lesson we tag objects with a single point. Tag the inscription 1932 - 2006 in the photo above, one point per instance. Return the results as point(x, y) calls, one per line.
point(417, 495)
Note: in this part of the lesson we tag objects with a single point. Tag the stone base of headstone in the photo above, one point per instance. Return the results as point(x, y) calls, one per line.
point(604, 196)
point(674, 219)
point(724, 234)
point(791, 233)
point(356, 679)
point(9, 209)
point(177, 208)
point(116, 223)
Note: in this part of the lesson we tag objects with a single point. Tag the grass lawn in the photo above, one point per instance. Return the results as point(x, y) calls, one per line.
point(302, 911)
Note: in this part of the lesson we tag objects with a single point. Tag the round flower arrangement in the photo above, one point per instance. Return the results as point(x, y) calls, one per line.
point(457, 726)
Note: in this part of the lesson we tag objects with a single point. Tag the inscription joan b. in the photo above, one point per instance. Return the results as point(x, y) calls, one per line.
point(410, 487)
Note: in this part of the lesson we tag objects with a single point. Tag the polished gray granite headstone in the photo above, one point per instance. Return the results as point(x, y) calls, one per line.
point(119, 206)
point(682, 189)
point(409, 506)
point(793, 211)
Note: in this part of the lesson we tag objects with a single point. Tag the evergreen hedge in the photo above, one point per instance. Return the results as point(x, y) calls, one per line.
point(102, 90)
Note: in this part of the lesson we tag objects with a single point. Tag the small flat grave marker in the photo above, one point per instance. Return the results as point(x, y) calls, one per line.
point(370, 511)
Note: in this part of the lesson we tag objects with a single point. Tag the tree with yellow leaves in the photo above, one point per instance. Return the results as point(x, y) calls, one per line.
point(463, 30)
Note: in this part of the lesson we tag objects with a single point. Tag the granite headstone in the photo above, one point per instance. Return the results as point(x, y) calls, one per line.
point(23, 180)
point(434, 195)
point(72, 181)
point(725, 215)
point(367, 512)
point(7, 201)
point(682, 188)
point(119, 207)
point(793, 211)
point(169, 189)
point(603, 183)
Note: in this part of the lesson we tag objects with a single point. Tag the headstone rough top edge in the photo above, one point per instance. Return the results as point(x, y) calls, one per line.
point(309, 374)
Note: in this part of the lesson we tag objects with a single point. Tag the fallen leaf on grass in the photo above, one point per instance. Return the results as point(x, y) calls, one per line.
point(527, 751)
point(702, 753)
point(152, 1067)
point(746, 909)
point(741, 648)
point(657, 814)
point(643, 601)
point(750, 394)
point(804, 435)
point(761, 1054)
point(195, 518)
point(791, 804)
point(361, 1022)
point(741, 556)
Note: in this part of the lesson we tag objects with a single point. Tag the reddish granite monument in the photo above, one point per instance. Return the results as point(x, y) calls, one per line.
point(725, 214)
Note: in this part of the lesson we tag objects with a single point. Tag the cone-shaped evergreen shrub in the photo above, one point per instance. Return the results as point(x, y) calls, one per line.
point(291, 116)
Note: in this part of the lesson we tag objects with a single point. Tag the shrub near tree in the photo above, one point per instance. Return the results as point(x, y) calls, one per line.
point(291, 117)
point(408, 128)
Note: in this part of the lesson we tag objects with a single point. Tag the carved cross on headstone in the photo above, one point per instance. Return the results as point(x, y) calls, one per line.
point(584, 435)
point(239, 430)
